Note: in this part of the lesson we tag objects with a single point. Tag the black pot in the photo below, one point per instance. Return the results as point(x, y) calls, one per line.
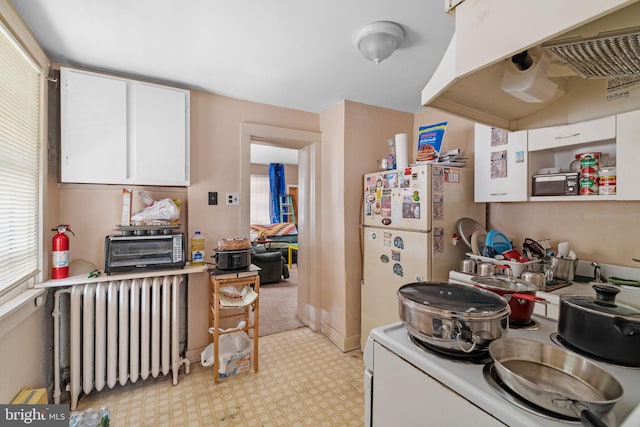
point(601, 326)
point(232, 260)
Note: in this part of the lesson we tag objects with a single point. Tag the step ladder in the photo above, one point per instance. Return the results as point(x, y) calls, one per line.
point(287, 213)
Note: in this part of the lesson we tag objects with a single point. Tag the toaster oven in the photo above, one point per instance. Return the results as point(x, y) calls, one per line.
point(556, 184)
point(147, 252)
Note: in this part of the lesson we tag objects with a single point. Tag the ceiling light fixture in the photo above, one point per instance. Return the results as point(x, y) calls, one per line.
point(378, 40)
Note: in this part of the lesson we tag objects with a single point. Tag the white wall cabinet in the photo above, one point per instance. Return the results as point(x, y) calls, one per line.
point(122, 131)
point(628, 155)
point(501, 171)
point(616, 137)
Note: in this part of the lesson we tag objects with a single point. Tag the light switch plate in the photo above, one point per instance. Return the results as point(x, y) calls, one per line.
point(213, 197)
point(233, 199)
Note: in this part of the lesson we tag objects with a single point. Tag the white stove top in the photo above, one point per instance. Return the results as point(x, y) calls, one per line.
point(467, 379)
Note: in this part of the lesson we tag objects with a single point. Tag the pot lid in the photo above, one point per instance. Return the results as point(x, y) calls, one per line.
point(604, 303)
point(454, 298)
point(466, 227)
point(503, 284)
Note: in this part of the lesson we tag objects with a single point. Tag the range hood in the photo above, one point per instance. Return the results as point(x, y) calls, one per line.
point(470, 81)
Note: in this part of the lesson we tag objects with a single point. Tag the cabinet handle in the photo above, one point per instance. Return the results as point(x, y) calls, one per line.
point(498, 194)
point(568, 136)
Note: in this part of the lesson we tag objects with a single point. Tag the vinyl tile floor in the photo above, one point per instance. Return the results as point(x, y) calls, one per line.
point(303, 380)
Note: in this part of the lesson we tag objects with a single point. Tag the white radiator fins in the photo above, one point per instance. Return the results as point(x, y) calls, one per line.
point(155, 327)
point(122, 331)
point(88, 325)
point(75, 321)
point(100, 336)
point(134, 330)
point(166, 325)
point(112, 334)
point(145, 329)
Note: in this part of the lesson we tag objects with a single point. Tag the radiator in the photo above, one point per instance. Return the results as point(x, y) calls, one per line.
point(120, 331)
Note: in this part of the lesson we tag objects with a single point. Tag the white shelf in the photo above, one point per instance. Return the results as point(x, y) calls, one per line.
point(593, 198)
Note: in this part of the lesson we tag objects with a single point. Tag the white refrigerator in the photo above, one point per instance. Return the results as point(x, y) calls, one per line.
point(410, 233)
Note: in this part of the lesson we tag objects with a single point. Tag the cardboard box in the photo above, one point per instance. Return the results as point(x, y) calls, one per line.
point(31, 396)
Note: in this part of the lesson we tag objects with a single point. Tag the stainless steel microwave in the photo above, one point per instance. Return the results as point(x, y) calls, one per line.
point(133, 253)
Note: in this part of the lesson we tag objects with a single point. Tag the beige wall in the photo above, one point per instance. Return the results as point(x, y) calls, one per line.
point(606, 232)
point(354, 137)
point(216, 151)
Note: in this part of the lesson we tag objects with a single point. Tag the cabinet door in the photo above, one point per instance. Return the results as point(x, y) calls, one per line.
point(501, 170)
point(577, 133)
point(93, 127)
point(159, 147)
point(404, 396)
point(627, 155)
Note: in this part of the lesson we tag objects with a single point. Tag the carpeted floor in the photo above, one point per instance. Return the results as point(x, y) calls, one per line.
point(278, 305)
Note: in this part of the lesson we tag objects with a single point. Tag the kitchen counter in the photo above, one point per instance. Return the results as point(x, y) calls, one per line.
point(83, 279)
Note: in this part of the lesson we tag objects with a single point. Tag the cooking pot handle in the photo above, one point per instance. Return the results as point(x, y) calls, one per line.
point(467, 335)
point(625, 327)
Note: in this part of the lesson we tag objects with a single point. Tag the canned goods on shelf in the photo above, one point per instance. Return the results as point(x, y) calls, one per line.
point(588, 185)
point(607, 180)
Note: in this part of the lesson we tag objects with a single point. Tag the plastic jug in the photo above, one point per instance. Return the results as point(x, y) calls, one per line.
point(197, 249)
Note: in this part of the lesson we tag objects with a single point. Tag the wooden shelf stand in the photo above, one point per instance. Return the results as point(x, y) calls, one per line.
point(240, 278)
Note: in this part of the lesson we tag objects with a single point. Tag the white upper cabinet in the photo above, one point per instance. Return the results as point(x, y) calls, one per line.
point(94, 128)
point(501, 172)
point(574, 134)
point(628, 155)
point(122, 131)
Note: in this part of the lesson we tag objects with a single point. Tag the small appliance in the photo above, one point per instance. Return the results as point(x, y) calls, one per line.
point(556, 184)
point(146, 252)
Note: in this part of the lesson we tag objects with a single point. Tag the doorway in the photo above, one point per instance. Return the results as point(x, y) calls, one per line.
point(308, 167)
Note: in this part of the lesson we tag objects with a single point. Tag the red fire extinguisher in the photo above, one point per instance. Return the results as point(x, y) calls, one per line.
point(60, 252)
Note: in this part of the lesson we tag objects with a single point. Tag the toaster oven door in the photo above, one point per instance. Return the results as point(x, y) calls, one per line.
point(127, 254)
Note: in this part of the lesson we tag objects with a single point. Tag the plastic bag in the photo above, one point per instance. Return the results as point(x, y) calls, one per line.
point(234, 353)
point(160, 210)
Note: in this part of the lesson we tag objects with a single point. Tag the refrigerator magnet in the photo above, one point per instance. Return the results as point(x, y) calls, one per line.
point(395, 255)
point(387, 239)
point(397, 269)
point(398, 242)
point(384, 258)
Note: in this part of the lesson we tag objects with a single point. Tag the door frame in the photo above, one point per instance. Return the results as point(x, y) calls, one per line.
point(307, 144)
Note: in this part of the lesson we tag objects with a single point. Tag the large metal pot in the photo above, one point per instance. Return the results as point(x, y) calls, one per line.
point(521, 295)
point(555, 379)
point(601, 326)
point(453, 317)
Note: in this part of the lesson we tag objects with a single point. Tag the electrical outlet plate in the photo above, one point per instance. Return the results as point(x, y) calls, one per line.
point(233, 199)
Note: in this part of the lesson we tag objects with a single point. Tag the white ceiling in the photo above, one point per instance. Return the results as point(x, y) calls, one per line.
point(290, 53)
point(265, 154)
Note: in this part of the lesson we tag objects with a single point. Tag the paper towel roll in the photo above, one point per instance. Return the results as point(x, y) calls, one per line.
point(402, 150)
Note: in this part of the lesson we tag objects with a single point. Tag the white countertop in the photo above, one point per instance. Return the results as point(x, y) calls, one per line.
point(83, 279)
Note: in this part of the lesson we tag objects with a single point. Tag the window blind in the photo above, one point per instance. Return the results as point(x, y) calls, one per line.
point(20, 81)
point(259, 200)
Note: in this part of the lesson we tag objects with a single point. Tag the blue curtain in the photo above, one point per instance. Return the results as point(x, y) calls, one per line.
point(277, 187)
